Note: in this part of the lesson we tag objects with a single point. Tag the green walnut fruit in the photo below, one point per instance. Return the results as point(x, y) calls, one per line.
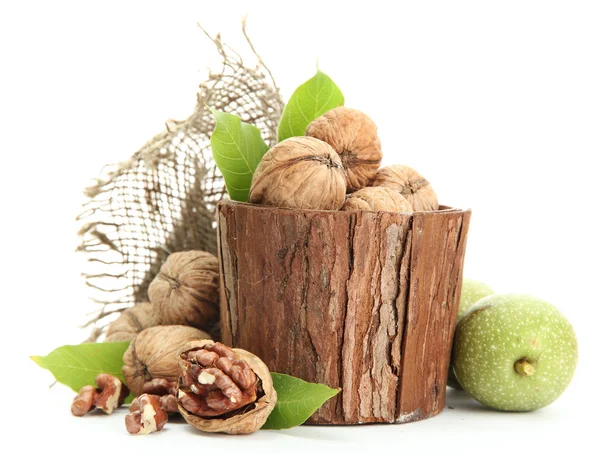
point(472, 291)
point(514, 352)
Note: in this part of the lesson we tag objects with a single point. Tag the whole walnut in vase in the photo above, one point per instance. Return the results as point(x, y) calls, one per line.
point(153, 354)
point(412, 185)
point(377, 199)
point(186, 290)
point(300, 172)
point(353, 135)
point(224, 389)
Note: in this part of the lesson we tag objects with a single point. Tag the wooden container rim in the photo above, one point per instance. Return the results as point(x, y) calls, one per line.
point(443, 210)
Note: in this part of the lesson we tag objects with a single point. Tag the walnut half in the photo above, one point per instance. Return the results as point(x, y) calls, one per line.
point(223, 389)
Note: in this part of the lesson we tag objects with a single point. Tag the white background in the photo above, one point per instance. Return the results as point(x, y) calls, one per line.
point(496, 103)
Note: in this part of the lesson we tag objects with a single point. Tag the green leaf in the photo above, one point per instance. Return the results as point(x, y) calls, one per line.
point(237, 148)
point(78, 365)
point(310, 100)
point(297, 400)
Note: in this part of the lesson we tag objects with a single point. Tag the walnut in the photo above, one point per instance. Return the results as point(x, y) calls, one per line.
point(164, 390)
point(354, 136)
point(186, 290)
point(223, 389)
point(147, 417)
point(152, 354)
point(108, 396)
point(376, 199)
point(302, 173)
point(131, 322)
point(411, 185)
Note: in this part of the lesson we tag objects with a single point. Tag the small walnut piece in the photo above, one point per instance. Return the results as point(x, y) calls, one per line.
point(152, 354)
point(410, 184)
point(108, 396)
point(186, 290)
point(300, 173)
point(131, 322)
point(165, 390)
point(84, 402)
point(354, 136)
point(376, 199)
point(148, 417)
point(223, 389)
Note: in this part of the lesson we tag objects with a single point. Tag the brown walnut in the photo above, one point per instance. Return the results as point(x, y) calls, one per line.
point(108, 396)
point(153, 354)
point(354, 136)
point(300, 172)
point(410, 184)
point(186, 290)
point(131, 322)
point(223, 389)
point(376, 199)
point(148, 417)
point(165, 390)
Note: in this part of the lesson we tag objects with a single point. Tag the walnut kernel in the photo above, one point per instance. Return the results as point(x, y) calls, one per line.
point(223, 389)
point(353, 135)
point(300, 172)
point(148, 417)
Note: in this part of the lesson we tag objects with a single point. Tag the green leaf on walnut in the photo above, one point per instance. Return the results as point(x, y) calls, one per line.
point(78, 365)
point(297, 400)
point(310, 100)
point(237, 149)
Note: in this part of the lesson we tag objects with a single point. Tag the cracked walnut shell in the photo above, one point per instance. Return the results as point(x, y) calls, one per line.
point(223, 389)
point(186, 290)
point(300, 172)
point(153, 354)
point(416, 189)
point(376, 199)
point(353, 135)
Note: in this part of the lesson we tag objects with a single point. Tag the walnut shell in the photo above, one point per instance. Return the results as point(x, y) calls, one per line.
point(153, 354)
point(251, 418)
point(410, 184)
point(376, 199)
point(131, 322)
point(186, 290)
point(300, 172)
point(354, 136)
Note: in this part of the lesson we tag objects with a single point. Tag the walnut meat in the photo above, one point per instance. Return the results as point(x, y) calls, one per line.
point(302, 173)
point(186, 290)
point(153, 354)
point(354, 136)
point(410, 184)
point(223, 389)
point(131, 322)
point(376, 199)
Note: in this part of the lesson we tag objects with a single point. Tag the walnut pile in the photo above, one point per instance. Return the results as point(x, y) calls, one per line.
point(223, 389)
point(300, 172)
point(377, 199)
point(353, 135)
point(306, 173)
point(414, 187)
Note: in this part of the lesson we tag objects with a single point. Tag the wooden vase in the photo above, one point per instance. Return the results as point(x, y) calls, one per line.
point(361, 301)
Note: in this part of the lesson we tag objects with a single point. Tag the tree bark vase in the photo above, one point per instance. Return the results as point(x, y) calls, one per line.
point(361, 301)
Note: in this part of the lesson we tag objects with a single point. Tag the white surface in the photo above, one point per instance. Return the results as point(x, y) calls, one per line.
point(496, 103)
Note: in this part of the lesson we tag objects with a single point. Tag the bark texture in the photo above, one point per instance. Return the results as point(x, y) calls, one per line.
point(362, 301)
